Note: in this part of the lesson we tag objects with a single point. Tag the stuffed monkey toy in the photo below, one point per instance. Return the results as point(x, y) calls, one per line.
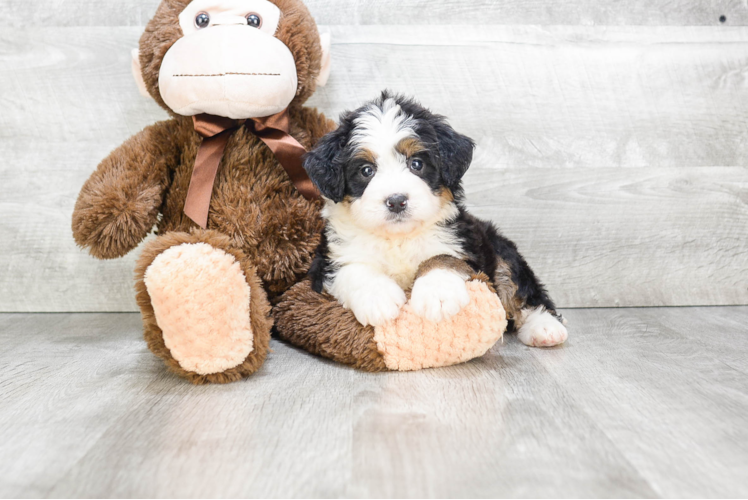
point(237, 219)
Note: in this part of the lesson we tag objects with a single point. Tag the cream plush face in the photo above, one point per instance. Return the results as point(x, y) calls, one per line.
point(229, 62)
point(231, 58)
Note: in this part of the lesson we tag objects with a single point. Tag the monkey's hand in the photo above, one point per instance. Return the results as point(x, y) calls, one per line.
point(119, 204)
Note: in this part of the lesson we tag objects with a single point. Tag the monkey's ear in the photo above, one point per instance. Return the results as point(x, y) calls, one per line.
point(324, 73)
point(325, 166)
point(455, 151)
point(137, 73)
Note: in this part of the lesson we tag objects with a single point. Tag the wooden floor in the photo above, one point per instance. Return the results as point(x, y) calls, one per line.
point(640, 402)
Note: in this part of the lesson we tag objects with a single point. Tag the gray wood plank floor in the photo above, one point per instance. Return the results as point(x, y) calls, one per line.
point(640, 402)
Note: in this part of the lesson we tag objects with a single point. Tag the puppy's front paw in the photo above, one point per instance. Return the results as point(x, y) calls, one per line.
point(378, 303)
point(439, 295)
point(541, 329)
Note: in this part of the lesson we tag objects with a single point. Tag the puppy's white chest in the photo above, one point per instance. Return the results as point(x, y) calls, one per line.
point(401, 262)
point(398, 258)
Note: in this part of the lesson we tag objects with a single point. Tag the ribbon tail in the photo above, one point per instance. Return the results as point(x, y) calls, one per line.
point(289, 153)
point(197, 203)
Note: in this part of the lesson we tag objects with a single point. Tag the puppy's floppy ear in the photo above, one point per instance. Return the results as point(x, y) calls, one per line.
point(455, 151)
point(325, 167)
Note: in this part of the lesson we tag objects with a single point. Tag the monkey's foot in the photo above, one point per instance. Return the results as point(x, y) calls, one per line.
point(201, 299)
point(412, 342)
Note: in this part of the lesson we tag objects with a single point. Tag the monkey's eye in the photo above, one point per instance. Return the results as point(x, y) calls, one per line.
point(367, 171)
point(416, 164)
point(254, 20)
point(202, 20)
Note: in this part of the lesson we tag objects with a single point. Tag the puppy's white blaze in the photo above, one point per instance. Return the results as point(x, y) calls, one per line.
point(540, 329)
point(380, 129)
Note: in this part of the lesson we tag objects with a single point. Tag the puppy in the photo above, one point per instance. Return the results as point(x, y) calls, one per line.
point(391, 178)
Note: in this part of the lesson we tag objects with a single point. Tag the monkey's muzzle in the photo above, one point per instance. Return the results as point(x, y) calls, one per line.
point(232, 71)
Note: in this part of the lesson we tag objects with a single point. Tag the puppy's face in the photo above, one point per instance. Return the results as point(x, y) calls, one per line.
point(391, 167)
point(392, 178)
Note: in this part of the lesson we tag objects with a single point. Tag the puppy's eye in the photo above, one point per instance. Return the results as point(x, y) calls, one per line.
point(254, 20)
point(367, 171)
point(202, 20)
point(416, 164)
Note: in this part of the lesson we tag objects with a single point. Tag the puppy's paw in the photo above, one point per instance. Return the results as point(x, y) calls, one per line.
point(541, 329)
point(439, 295)
point(379, 302)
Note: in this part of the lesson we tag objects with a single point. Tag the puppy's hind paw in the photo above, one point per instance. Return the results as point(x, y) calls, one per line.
point(541, 329)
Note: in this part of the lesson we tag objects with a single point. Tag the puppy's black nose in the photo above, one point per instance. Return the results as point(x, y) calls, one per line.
point(397, 203)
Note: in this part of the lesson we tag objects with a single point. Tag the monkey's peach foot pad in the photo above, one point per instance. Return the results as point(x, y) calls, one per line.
point(200, 297)
point(412, 343)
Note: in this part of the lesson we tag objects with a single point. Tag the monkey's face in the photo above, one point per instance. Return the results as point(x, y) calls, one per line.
point(229, 62)
point(232, 58)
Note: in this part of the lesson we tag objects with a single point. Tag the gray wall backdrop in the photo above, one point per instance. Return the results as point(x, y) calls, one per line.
point(612, 136)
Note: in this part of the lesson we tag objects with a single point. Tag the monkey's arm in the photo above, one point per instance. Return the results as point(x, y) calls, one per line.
point(119, 204)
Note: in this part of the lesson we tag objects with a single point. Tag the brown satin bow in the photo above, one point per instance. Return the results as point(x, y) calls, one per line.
point(216, 131)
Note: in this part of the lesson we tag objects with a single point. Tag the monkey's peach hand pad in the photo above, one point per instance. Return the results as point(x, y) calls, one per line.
point(411, 342)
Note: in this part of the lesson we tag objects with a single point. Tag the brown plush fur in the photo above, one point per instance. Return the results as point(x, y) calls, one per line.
point(256, 213)
point(254, 202)
point(120, 202)
point(259, 307)
point(318, 323)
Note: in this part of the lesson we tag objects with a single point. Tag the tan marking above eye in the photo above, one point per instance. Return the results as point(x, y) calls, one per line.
point(367, 155)
point(410, 146)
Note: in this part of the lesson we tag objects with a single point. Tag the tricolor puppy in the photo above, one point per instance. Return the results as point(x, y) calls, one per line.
point(391, 177)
